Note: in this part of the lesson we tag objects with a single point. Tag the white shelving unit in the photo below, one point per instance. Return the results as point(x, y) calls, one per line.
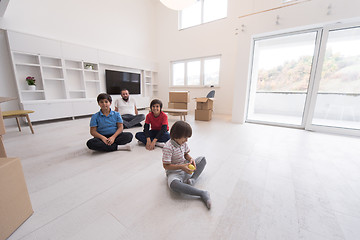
point(65, 85)
point(75, 79)
point(28, 65)
point(59, 82)
point(53, 78)
point(150, 84)
point(92, 80)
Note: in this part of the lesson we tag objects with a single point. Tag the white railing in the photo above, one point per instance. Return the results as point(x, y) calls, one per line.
point(328, 105)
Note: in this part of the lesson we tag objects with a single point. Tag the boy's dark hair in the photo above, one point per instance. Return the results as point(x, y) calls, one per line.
point(156, 101)
point(180, 129)
point(102, 96)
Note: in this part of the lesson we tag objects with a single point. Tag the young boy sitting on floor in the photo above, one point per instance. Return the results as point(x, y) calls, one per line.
point(158, 121)
point(182, 170)
point(107, 129)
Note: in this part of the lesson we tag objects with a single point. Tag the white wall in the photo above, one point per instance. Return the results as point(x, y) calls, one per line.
point(225, 37)
point(120, 26)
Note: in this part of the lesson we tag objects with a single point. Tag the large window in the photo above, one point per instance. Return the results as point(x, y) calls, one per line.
point(308, 79)
point(203, 11)
point(196, 72)
point(338, 96)
point(280, 78)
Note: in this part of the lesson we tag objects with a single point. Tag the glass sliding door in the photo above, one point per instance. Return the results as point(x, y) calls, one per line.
point(280, 75)
point(338, 95)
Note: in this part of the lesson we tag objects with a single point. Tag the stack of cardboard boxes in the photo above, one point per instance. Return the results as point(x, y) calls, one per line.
point(15, 205)
point(178, 100)
point(204, 109)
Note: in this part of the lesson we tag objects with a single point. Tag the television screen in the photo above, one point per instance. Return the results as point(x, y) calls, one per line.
point(117, 80)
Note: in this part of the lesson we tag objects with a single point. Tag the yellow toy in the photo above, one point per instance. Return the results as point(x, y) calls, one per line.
point(191, 167)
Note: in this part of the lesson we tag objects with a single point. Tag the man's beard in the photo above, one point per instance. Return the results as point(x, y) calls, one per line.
point(126, 99)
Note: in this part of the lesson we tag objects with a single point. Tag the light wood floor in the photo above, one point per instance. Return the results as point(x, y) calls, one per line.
point(265, 183)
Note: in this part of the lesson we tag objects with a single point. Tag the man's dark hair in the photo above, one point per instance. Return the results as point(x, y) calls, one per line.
point(156, 101)
point(180, 129)
point(124, 89)
point(102, 96)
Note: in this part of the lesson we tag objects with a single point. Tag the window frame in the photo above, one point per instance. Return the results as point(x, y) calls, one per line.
point(201, 16)
point(185, 61)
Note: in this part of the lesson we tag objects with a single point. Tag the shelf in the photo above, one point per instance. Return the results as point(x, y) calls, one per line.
point(55, 89)
point(28, 95)
point(150, 86)
point(74, 69)
point(88, 70)
point(54, 79)
point(95, 81)
point(26, 58)
point(76, 91)
point(49, 66)
point(52, 72)
point(28, 64)
point(91, 75)
point(95, 66)
point(92, 89)
point(51, 62)
point(76, 94)
point(23, 71)
point(71, 64)
point(32, 91)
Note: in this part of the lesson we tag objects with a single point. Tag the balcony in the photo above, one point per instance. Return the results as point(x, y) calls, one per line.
point(332, 109)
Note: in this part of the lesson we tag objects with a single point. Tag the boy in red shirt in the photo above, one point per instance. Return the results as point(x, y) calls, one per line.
point(159, 133)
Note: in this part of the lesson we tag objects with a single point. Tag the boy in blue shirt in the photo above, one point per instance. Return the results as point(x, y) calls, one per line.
point(106, 126)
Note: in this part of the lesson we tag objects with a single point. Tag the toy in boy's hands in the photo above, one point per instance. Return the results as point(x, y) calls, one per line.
point(191, 167)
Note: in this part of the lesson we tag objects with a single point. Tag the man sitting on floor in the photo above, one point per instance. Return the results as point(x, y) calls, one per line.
point(126, 106)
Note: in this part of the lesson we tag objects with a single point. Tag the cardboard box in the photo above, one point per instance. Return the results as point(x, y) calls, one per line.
point(15, 205)
point(203, 115)
point(2, 132)
point(177, 114)
point(2, 125)
point(2, 128)
point(177, 105)
point(204, 103)
point(179, 97)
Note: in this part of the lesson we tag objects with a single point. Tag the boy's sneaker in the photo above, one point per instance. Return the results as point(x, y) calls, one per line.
point(127, 147)
point(140, 143)
point(160, 144)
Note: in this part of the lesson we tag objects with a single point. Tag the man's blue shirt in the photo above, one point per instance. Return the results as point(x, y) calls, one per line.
point(106, 125)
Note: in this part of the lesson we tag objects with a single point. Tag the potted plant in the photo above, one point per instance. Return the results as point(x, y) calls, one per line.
point(89, 66)
point(31, 82)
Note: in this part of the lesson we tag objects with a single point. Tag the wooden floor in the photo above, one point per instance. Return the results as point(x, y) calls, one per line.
point(265, 183)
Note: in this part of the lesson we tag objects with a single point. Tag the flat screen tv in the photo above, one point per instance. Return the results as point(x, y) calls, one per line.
point(117, 80)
